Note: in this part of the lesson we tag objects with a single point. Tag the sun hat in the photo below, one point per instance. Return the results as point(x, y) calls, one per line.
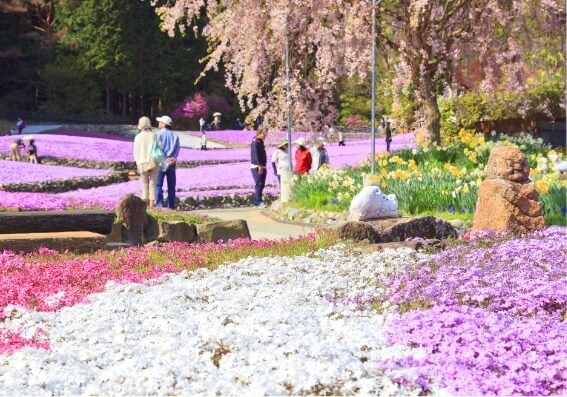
point(165, 119)
point(300, 141)
point(144, 123)
point(321, 141)
point(282, 143)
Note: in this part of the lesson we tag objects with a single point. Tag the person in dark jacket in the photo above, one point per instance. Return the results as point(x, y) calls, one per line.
point(258, 167)
point(388, 136)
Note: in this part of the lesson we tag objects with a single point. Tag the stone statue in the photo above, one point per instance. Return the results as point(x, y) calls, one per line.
point(507, 198)
point(371, 203)
point(132, 211)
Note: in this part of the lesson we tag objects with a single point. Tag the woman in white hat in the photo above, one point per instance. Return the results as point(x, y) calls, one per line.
point(303, 158)
point(147, 167)
point(280, 159)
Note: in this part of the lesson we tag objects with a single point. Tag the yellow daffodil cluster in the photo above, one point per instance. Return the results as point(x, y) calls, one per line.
point(470, 138)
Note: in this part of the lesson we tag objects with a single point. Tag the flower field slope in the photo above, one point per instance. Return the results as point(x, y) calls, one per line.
point(22, 172)
point(490, 316)
point(485, 317)
point(220, 332)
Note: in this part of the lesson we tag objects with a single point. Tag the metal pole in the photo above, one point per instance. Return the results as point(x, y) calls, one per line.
point(373, 111)
point(287, 100)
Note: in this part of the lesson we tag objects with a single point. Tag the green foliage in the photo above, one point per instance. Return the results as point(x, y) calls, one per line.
point(541, 100)
point(554, 203)
point(172, 216)
point(70, 88)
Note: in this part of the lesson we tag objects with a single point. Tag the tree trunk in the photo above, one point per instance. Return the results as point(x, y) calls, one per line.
point(107, 98)
point(431, 108)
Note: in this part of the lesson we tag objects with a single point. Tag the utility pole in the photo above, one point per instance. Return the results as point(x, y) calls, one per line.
point(375, 3)
point(289, 147)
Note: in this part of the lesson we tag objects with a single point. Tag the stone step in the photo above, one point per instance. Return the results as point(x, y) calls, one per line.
point(76, 242)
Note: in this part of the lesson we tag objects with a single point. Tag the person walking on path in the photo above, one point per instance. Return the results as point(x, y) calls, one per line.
point(303, 159)
point(15, 148)
point(388, 136)
point(258, 167)
point(202, 123)
point(320, 156)
point(169, 142)
point(21, 125)
point(32, 152)
point(203, 140)
point(147, 167)
point(280, 159)
point(341, 138)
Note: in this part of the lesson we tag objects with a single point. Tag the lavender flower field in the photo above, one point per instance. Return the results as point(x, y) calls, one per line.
point(231, 177)
point(21, 172)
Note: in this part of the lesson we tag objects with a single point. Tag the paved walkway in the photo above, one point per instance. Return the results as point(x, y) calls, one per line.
point(260, 225)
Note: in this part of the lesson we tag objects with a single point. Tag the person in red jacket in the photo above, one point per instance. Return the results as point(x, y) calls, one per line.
point(303, 158)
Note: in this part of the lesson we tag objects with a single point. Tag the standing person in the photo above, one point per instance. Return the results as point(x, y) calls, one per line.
point(203, 141)
point(169, 142)
point(258, 122)
point(202, 124)
point(32, 152)
point(147, 167)
point(303, 159)
point(331, 133)
point(341, 138)
point(258, 167)
point(21, 125)
point(280, 159)
point(15, 148)
point(320, 156)
point(388, 136)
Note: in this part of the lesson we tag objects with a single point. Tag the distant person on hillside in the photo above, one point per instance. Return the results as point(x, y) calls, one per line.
point(147, 167)
point(202, 123)
point(303, 159)
point(331, 133)
point(341, 138)
point(258, 167)
point(388, 136)
point(32, 152)
point(21, 125)
point(280, 159)
point(169, 142)
point(15, 148)
point(203, 141)
point(238, 124)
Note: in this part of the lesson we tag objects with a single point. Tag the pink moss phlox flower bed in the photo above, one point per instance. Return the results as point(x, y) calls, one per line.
point(11, 341)
point(23, 172)
point(43, 201)
point(48, 281)
point(490, 316)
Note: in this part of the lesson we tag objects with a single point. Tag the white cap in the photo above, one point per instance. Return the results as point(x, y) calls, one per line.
point(165, 119)
point(300, 141)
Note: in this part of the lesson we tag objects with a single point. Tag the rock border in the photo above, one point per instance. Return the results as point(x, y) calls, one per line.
point(116, 165)
point(66, 185)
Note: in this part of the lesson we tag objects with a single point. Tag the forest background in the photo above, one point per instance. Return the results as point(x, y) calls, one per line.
point(114, 60)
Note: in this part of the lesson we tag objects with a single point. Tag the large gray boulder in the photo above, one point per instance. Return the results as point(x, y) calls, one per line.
point(390, 230)
point(222, 230)
point(177, 231)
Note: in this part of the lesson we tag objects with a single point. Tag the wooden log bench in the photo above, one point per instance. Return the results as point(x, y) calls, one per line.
point(75, 230)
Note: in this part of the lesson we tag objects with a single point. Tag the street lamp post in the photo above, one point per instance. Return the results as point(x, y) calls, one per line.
point(287, 100)
point(373, 110)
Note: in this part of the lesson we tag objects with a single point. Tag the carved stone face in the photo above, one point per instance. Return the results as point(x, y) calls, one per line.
point(509, 163)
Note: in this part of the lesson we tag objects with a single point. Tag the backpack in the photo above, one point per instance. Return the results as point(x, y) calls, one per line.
point(157, 151)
